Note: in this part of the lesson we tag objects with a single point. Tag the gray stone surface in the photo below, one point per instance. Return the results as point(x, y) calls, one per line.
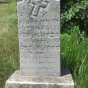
point(39, 37)
point(39, 45)
point(17, 80)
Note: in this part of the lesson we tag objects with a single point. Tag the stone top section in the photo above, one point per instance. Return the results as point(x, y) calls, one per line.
point(37, 8)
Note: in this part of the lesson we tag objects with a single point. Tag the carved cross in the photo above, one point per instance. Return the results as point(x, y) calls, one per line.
point(37, 5)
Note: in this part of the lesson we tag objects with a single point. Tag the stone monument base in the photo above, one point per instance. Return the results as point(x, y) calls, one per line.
point(19, 81)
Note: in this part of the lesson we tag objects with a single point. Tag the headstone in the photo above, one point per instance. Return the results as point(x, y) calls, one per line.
point(39, 35)
point(39, 45)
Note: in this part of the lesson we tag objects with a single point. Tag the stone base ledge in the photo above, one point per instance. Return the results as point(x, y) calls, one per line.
point(17, 80)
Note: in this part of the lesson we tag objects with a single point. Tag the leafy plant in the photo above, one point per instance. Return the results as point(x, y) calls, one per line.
point(74, 13)
point(74, 53)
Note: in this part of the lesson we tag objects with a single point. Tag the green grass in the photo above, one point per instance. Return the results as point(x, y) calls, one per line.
point(74, 48)
point(8, 41)
point(74, 53)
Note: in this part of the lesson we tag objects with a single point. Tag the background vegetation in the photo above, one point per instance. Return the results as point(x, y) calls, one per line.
point(74, 40)
point(8, 41)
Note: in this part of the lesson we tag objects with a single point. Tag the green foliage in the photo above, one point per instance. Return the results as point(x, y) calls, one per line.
point(8, 41)
point(74, 13)
point(74, 53)
point(74, 42)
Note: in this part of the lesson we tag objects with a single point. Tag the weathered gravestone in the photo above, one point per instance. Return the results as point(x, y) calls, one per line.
point(39, 45)
point(39, 37)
